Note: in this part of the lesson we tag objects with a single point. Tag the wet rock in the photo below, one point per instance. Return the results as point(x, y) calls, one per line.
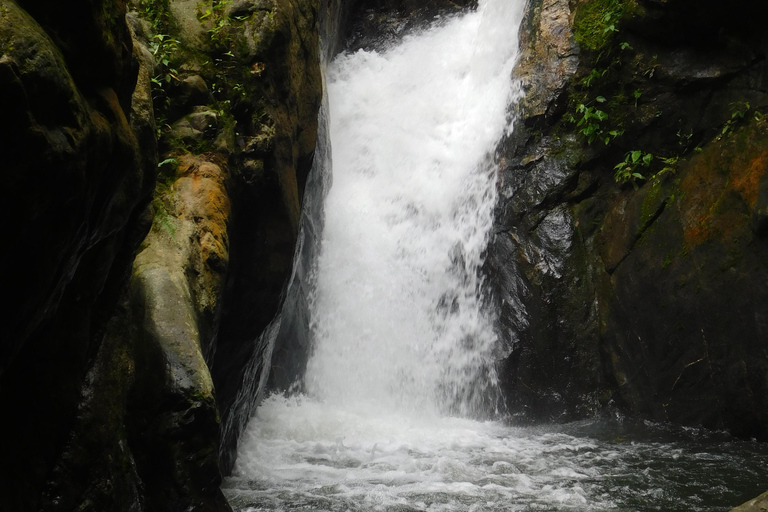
point(276, 120)
point(759, 504)
point(662, 278)
point(685, 289)
point(548, 59)
point(376, 23)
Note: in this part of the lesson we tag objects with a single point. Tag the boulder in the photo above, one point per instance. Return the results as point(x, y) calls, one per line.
point(759, 504)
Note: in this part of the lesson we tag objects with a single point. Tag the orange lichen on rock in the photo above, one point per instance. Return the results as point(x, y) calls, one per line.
point(746, 178)
point(721, 186)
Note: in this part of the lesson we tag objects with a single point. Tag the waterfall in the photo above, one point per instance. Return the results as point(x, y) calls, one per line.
point(398, 318)
point(396, 410)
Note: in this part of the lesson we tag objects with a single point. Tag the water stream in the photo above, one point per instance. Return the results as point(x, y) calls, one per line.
point(401, 405)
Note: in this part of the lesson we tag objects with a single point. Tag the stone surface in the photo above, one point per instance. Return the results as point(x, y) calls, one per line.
point(276, 124)
point(243, 88)
point(549, 57)
point(175, 300)
point(759, 504)
point(373, 23)
point(77, 133)
point(641, 297)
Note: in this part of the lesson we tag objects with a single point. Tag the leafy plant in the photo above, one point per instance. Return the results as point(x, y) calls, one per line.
point(157, 12)
point(610, 27)
point(741, 108)
point(590, 123)
point(684, 139)
point(629, 169)
point(219, 21)
point(636, 161)
point(163, 48)
point(592, 76)
point(669, 167)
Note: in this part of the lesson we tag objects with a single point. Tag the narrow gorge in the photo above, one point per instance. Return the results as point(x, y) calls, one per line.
point(412, 255)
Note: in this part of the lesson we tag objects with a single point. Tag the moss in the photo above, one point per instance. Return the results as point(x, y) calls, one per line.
point(164, 206)
point(667, 261)
point(596, 23)
point(650, 205)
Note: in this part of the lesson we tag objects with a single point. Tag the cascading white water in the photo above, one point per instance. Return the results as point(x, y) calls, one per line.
point(398, 316)
point(403, 345)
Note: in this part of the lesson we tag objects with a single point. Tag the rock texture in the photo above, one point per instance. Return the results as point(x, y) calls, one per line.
point(371, 23)
point(759, 504)
point(106, 367)
point(78, 135)
point(642, 293)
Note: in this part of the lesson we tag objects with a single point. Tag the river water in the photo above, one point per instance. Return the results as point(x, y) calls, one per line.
point(401, 406)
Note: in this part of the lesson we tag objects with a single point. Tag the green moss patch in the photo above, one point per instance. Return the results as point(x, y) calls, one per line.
point(597, 21)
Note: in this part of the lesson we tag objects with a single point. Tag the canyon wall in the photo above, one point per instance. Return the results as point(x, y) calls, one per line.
point(159, 156)
point(631, 244)
point(159, 153)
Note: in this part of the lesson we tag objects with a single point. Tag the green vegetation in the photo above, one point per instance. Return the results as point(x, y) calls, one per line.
point(634, 161)
point(591, 123)
point(596, 27)
point(220, 22)
point(597, 23)
point(157, 12)
point(738, 115)
point(164, 49)
point(164, 206)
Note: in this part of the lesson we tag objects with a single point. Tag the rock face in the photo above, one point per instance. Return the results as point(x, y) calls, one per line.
point(78, 132)
point(632, 219)
point(106, 367)
point(242, 89)
point(370, 23)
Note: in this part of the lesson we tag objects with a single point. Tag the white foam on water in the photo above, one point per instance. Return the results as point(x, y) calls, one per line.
point(301, 449)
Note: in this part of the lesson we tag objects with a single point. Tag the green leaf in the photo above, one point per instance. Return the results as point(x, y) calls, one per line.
point(636, 156)
point(168, 161)
point(600, 99)
point(647, 158)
